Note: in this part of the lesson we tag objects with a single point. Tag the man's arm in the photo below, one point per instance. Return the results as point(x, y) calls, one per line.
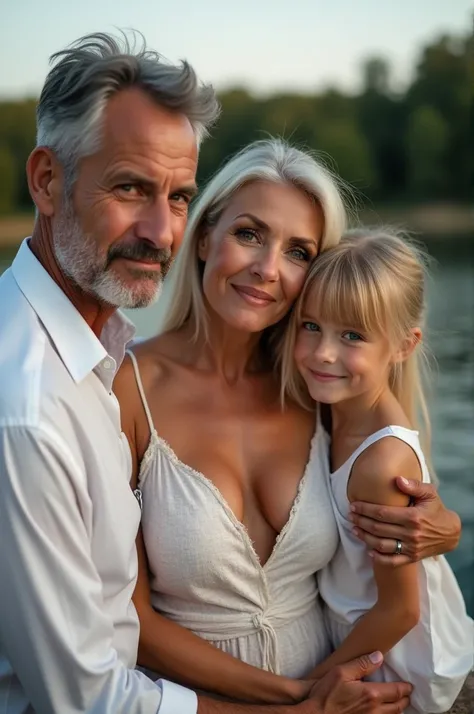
point(426, 529)
point(341, 691)
point(54, 629)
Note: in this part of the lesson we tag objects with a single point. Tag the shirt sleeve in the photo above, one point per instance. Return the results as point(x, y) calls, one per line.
point(54, 628)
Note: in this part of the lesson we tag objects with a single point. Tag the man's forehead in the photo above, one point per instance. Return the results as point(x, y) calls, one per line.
point(132, 117)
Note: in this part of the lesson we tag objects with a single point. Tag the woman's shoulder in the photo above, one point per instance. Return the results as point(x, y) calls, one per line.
point(153, 359)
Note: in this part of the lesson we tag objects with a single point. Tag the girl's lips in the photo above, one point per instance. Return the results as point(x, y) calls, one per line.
point(324, 376)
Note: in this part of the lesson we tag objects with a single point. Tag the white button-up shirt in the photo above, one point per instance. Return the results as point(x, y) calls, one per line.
point(68, 518)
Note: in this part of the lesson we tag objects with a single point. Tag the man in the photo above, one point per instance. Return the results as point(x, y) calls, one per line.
point(111, 177)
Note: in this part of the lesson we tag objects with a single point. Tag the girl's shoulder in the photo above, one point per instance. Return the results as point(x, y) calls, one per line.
point(391, 454)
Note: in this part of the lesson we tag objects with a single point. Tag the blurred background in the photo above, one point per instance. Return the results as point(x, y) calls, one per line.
point(385, 91)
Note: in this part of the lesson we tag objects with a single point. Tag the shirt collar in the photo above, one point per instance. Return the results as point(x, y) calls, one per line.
point(77, 345)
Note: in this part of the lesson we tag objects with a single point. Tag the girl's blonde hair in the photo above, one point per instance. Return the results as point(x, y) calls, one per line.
point(269, 160)
point(373, 280)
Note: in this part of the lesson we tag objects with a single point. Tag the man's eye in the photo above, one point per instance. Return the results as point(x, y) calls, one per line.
point(181, 198)
point(128, 188)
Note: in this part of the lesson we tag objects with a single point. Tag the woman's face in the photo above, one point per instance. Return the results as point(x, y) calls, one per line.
point(258, 253)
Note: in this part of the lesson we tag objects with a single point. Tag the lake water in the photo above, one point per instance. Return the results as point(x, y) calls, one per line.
point(451, 339)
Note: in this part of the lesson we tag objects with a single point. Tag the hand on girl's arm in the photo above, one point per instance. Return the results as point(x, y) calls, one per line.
point(427, 529)
point(396, 611)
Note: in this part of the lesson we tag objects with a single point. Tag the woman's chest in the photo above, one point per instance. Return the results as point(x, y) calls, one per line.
point(254, 455)
point(192, 532)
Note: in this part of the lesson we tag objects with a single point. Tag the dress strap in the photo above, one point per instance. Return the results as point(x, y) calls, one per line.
point(409, 436)
point(141, 390)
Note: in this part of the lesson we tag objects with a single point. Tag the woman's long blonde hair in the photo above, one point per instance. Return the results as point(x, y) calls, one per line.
point(374, 280)
point(270, 160)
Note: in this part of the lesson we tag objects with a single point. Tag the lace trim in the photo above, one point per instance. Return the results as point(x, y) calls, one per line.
point(157, 442)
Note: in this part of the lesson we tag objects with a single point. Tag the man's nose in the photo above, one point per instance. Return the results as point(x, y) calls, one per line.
point(155, 224)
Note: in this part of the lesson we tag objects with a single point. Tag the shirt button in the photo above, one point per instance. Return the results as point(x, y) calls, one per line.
point(107, 363)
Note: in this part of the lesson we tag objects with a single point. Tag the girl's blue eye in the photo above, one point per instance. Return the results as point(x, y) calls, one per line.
point(352, 336)
point(310, 326)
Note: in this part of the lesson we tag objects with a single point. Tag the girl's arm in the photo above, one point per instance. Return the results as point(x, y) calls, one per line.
point(397, 608)
point(166, 647)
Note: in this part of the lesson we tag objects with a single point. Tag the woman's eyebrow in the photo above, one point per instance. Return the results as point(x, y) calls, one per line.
point(265, 226)
point(253, 218)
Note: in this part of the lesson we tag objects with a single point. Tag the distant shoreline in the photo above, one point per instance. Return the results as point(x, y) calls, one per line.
point(429, 219)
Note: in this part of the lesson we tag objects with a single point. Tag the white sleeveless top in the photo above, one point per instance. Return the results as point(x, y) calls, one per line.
point(437, 654)
point(206, 575)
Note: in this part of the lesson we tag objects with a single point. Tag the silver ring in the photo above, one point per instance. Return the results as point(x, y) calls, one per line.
point(398, 548)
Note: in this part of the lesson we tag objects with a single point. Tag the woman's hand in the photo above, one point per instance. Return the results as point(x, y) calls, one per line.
point(425, 529)
point(341, 691)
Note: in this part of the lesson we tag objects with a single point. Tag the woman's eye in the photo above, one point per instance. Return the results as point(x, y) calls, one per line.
point(352, 336)
point(300, 254)
point(246, 234)
point(310, 326)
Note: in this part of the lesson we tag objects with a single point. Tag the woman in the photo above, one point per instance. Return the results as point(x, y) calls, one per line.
point(235, 523)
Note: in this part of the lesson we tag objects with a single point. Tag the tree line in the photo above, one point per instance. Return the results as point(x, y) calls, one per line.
point(392, 146)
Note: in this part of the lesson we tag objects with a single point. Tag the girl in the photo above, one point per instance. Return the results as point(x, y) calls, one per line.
point(356, 338)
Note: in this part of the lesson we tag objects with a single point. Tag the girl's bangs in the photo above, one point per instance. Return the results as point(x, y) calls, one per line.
point(343, 292)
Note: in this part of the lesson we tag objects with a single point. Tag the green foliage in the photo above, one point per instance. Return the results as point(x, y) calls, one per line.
point(427, 142)
point(412, 145)
point(17, 133)
point(8, 181)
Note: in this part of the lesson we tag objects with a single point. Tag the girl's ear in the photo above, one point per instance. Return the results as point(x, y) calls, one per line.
point(408, 345)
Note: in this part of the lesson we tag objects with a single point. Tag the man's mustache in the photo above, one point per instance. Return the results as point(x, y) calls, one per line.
point(140, 251)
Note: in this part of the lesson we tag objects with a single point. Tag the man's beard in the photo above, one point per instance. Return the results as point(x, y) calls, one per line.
point(80, 260)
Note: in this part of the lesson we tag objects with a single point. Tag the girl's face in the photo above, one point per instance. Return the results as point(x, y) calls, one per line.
point(258, 253)
point(339, 362)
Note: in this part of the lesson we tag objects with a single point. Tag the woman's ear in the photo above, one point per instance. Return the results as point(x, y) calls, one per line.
point(203, 243)
point(409, 344)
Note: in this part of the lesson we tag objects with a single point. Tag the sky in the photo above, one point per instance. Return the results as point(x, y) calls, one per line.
point(265, 45)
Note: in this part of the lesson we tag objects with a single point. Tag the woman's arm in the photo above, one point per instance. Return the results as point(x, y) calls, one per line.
point(166, 647)
point(180, 655)
point(396, 611)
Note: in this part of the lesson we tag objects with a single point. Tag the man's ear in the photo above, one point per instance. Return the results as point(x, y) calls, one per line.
point(409, 344)
point(45, 180)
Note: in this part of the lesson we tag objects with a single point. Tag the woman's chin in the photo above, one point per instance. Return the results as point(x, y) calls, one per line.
point(247, 321)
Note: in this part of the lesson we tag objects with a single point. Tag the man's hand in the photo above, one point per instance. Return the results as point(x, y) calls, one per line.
point(425, 529)
point(341, 691)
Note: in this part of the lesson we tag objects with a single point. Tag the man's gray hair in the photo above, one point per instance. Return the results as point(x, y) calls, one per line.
point(86, 74)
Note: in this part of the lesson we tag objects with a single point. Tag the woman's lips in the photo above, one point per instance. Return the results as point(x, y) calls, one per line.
point(257, 298)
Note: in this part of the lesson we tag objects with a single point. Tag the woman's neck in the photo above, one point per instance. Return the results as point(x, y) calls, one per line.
point(231, 354)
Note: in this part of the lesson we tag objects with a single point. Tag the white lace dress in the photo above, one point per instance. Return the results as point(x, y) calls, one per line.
point(206, 576)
